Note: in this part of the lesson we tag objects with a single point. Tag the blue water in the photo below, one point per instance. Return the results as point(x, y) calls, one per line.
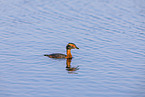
point(109, 33)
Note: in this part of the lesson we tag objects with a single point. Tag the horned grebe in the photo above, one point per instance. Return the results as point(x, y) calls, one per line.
point(68, 48)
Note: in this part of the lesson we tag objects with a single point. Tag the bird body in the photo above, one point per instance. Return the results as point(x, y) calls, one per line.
point(56, 55)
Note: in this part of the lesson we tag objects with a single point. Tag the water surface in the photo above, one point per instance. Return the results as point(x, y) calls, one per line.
point(110, 35)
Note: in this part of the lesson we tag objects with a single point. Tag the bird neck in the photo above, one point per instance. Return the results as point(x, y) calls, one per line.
point(69, 54)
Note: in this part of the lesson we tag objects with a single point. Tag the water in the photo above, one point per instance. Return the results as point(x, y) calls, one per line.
point(110, 35)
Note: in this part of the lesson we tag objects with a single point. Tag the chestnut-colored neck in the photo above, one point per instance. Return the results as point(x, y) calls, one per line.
point(69, 53)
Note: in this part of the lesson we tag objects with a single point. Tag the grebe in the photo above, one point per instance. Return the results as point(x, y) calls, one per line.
point(68, 48)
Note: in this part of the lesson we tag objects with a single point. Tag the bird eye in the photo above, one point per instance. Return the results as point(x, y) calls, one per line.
point(73, 46)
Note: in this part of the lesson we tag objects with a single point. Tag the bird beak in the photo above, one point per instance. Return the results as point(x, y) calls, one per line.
point(77, 47)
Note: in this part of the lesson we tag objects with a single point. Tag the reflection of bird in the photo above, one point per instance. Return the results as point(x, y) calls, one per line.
point(68, 66)
point(73, 68)
point(68, 48)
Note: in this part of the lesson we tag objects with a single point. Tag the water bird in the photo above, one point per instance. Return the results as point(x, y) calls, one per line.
point(68, 49)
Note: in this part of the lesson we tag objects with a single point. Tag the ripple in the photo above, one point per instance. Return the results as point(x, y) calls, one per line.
point(110, 35)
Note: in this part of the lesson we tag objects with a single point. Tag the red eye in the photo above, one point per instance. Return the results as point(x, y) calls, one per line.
point(73, 46)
